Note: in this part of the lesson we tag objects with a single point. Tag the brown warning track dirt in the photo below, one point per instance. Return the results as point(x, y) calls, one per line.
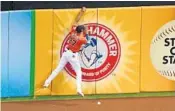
point(122, 104)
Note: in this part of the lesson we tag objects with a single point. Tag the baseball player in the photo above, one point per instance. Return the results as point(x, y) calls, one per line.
point(76, 40)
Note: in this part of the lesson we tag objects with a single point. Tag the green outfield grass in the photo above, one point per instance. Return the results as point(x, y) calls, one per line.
point(94, 96)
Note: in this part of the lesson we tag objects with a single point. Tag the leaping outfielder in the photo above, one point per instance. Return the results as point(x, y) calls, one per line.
point(77, 38)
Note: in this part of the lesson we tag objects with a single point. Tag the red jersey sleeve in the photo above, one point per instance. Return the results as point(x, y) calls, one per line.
point(83, 40)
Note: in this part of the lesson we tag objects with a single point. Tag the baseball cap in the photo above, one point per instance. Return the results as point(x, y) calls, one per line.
point(80, 28)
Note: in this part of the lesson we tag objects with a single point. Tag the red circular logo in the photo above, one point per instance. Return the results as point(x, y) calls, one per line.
point(99, 56)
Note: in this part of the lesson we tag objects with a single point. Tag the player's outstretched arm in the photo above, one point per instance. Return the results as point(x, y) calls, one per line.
point(80, 14)
point(83, 9)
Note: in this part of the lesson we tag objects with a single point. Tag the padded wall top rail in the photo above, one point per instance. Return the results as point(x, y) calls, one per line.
point(65, 5)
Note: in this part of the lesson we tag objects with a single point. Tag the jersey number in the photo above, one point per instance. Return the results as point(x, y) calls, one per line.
point(72, 41)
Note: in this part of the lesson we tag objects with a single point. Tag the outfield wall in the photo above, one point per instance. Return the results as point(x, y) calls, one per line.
point(33, 41)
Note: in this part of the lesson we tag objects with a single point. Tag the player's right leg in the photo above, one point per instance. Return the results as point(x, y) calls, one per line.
point(75, 63)
point(55, 72)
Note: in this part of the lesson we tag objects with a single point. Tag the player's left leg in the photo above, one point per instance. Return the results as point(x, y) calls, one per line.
point(55, 72)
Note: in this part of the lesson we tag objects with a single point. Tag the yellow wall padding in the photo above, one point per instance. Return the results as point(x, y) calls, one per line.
point(43, 51)
point(126, 24)
point(153, 18)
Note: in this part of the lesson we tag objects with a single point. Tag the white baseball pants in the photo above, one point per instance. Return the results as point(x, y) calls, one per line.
point(73, 59)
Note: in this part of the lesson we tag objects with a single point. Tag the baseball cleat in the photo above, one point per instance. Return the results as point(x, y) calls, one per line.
point(80, 94)
point(46, 84)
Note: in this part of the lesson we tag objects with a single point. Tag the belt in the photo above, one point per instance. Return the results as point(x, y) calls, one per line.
point(71, 50)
